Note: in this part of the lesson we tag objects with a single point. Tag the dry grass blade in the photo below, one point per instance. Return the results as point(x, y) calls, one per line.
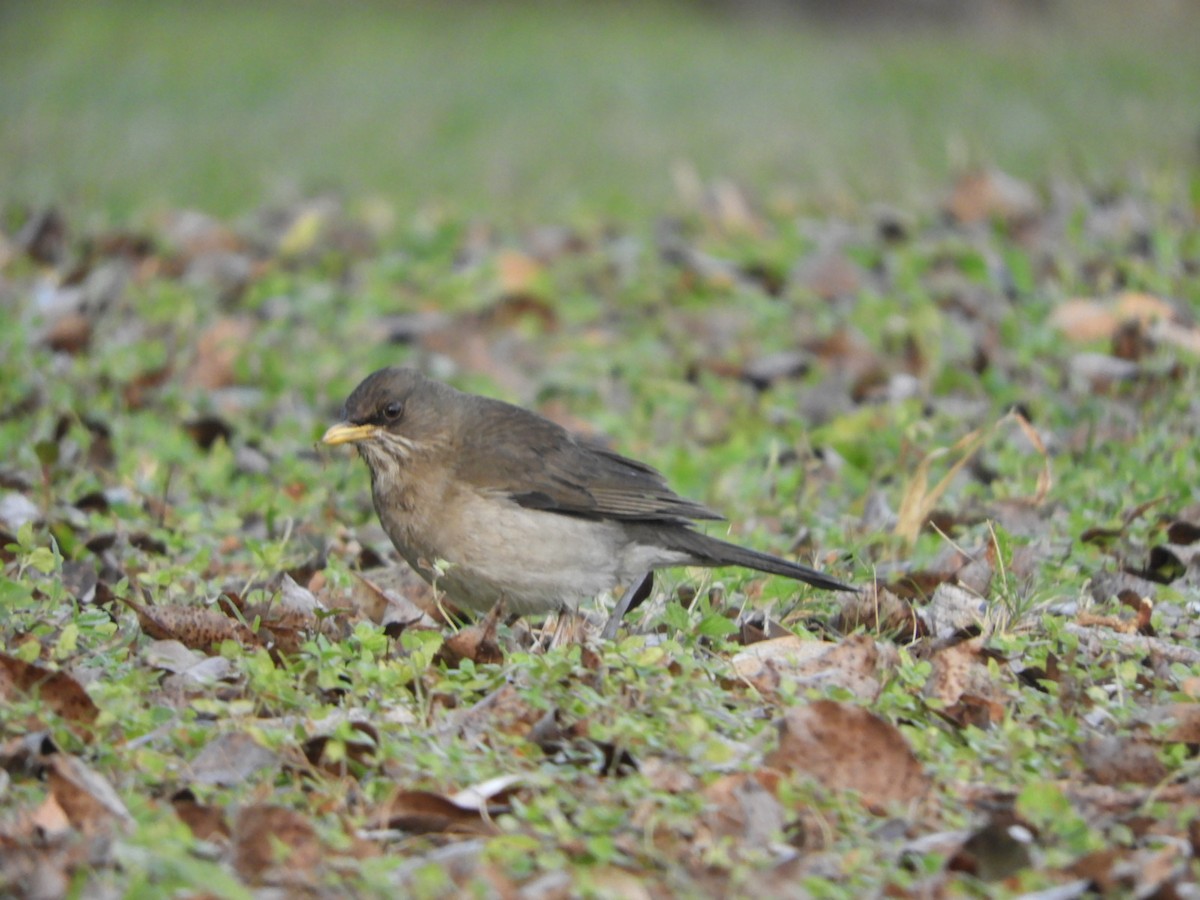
point(919, 499)
point(1045, 479)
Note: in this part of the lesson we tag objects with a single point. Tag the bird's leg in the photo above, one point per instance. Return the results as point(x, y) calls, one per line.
point(633, 597)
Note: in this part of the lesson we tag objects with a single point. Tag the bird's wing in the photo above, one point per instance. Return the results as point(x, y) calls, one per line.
point(540, 465)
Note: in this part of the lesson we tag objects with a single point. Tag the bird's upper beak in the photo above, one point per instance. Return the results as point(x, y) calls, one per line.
point(346, 433)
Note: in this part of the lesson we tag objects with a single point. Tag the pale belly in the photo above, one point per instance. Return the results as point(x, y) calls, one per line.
point(536, 561)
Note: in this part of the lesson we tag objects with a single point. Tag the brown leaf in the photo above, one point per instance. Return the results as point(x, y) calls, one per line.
point(1171, 722)
point(50, 818)
point(275, 845)
point(954, 611)
point(517, 273)
point(960, 679)
point(290, 619)
point(1120, 872)
point(424, 812)
point(1085, 320)
point(360, 752)
point(878, 610)
point(207, 823)
point(668, 777)
point(57, 690)
point(217, 351)
point(511, 310)
point(990, 194)
point(378, 600)
point(230, 758)
point(476, 642)
point(1180, 532)
point(1134, 306)
point(89, 801)
point(844, 747)
point(70, 333)
point(136, 393)
point(207, 430)
point(852, 664)
point(740, 807)
point(831, 274)
point(503, 712)
point(1116, 623)
point(197, 627)
point(44, 236)
point(1118, 760)
point(193, 233)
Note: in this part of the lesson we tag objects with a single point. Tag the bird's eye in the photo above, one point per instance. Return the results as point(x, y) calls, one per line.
point(393, 410)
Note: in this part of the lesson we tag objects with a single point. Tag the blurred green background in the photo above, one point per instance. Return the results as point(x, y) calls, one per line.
point(528, 110)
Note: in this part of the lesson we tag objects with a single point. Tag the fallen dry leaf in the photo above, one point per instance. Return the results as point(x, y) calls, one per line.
point(378, 599)
point(424, 812)
point(831, 274)
point(89, 801)
point(61, 693)
point(1137, 624)
point(517, 273)
point(878, 610)
point(738, 806)
point(961, 681)
point(476, 642)
point(197, 627)
point(1135, 644)
point(991, 194)
point(1085, 320)
point(206, 822)
point(50, 819)
point(230, 758)
point(218, 349)
point(1117, 760)
point(852, 664)
point(1171, 722)
point(275, 845)
point(359, 752)
point(70, 333)
point(847, 748)
point(953, 611)
point(504, 711)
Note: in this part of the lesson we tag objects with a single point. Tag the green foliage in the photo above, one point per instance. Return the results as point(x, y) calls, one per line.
point(654, 354)
point(577, 110)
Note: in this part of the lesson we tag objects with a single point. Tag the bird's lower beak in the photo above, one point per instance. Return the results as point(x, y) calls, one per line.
point(345, 433)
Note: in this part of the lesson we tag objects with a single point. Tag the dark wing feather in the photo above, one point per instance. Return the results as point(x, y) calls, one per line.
point(540, 465)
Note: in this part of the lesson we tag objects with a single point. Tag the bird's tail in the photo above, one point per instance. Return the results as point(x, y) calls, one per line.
point(710, 551)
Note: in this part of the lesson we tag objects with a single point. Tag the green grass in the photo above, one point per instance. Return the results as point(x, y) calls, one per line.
point(574, 114)
point(548, 110)
point(186, 524)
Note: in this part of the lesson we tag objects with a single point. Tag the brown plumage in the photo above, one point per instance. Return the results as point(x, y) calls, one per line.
point(488, 500)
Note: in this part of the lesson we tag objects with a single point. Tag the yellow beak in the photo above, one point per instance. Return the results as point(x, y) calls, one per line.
point(345, 433)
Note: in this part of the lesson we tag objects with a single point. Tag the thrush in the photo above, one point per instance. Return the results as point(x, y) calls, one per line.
point(491, 502)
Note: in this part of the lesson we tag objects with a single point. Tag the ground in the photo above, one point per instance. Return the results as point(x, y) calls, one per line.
point(970, 393)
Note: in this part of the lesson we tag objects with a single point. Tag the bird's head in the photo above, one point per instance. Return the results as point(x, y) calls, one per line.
point(392, 415)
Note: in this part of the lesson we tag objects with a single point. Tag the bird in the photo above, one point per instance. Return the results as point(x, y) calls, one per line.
point(493, 503)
